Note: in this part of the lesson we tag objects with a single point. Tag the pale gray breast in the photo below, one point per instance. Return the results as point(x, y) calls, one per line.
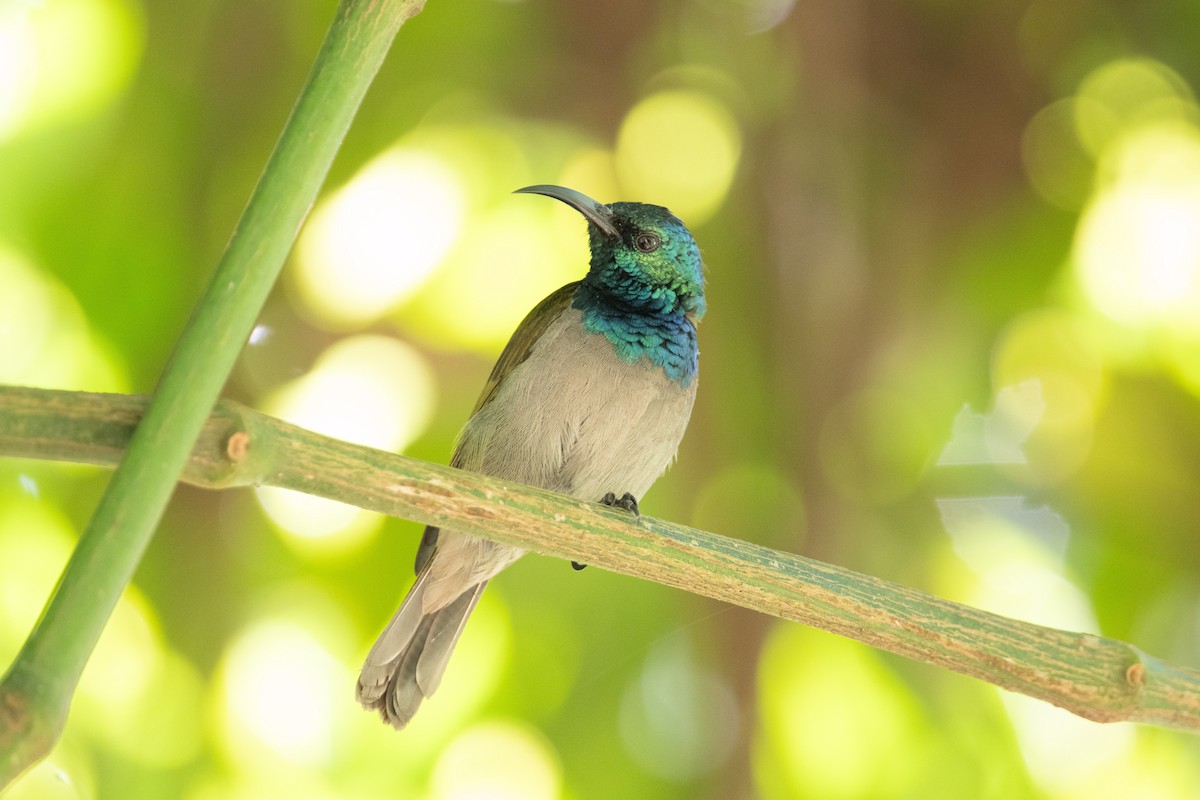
point(576, 419)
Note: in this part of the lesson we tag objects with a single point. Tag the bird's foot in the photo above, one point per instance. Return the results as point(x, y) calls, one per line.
point(626, 501)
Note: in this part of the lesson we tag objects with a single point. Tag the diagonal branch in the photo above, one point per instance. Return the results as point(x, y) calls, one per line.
point(1095, 677)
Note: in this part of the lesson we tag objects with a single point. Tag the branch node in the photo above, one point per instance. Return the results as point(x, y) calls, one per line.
point(1135, 676)
point(237, 446)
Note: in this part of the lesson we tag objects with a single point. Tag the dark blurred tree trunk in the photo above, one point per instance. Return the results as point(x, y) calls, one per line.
point(845, 278)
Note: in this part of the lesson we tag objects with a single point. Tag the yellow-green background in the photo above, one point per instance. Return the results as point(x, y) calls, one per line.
point(953, 258)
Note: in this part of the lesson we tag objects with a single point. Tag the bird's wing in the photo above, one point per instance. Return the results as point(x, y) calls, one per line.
point(514, 354)
point(522, 342)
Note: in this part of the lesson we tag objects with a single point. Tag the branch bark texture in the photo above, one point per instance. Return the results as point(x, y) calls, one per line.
point(1095, 677)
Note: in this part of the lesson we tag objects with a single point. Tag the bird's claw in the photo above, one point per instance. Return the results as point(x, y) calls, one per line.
point(626, 501)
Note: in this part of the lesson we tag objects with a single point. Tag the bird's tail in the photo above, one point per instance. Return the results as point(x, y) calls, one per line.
point(406, 664)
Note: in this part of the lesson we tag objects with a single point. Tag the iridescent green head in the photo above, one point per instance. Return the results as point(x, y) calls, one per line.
point(643, 257)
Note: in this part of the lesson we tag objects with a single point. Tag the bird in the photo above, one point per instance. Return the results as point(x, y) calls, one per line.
point(589, 398)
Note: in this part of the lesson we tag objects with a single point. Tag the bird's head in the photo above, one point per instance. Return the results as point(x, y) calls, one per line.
point(642, 255)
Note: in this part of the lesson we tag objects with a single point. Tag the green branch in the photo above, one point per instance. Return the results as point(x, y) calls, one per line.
point(36, 690)
point(1095, 677)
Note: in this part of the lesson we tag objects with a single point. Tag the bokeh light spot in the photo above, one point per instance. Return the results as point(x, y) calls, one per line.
point(63, 59)
point(509, 259)
point(1127, 94)
point(1017, 553)
point(1152, 766)
point(1063, 750)
point(29, 485)
point(134, 691)
point(370, 390)
point(497, 761)
point(1058, 166)
point(125, 663)
point(678, 719)
point(44, 335)
point(875, 445)
point(679, 149)
point(157, 726)
point(1060, 353)
point(763, 15)
point(1137, 249)
point(838, 723)
point(52, 780)
point(752, 501)
point(260, 335)
point(18, 64)
point(35, 542)
point(594, 172)
point(997, 437)
point(277, 681)
point(1058, 350)
point(372, 243)
point(316, 526)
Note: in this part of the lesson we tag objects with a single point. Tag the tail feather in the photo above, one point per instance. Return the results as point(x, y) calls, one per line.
point(445, 628)
point(399, 631)
point(406, 664)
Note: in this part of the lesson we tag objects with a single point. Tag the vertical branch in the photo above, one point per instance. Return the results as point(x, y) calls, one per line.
point(36, 691)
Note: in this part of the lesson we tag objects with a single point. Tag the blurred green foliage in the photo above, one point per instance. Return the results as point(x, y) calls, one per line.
point(953, 253)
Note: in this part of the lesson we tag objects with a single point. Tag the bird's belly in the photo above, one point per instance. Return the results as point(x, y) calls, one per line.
point(576, 419)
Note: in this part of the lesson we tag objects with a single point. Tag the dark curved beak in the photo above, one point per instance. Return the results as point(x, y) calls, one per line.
point(598, 214)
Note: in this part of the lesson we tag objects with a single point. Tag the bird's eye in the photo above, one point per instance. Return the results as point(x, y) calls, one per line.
point(647, 242)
